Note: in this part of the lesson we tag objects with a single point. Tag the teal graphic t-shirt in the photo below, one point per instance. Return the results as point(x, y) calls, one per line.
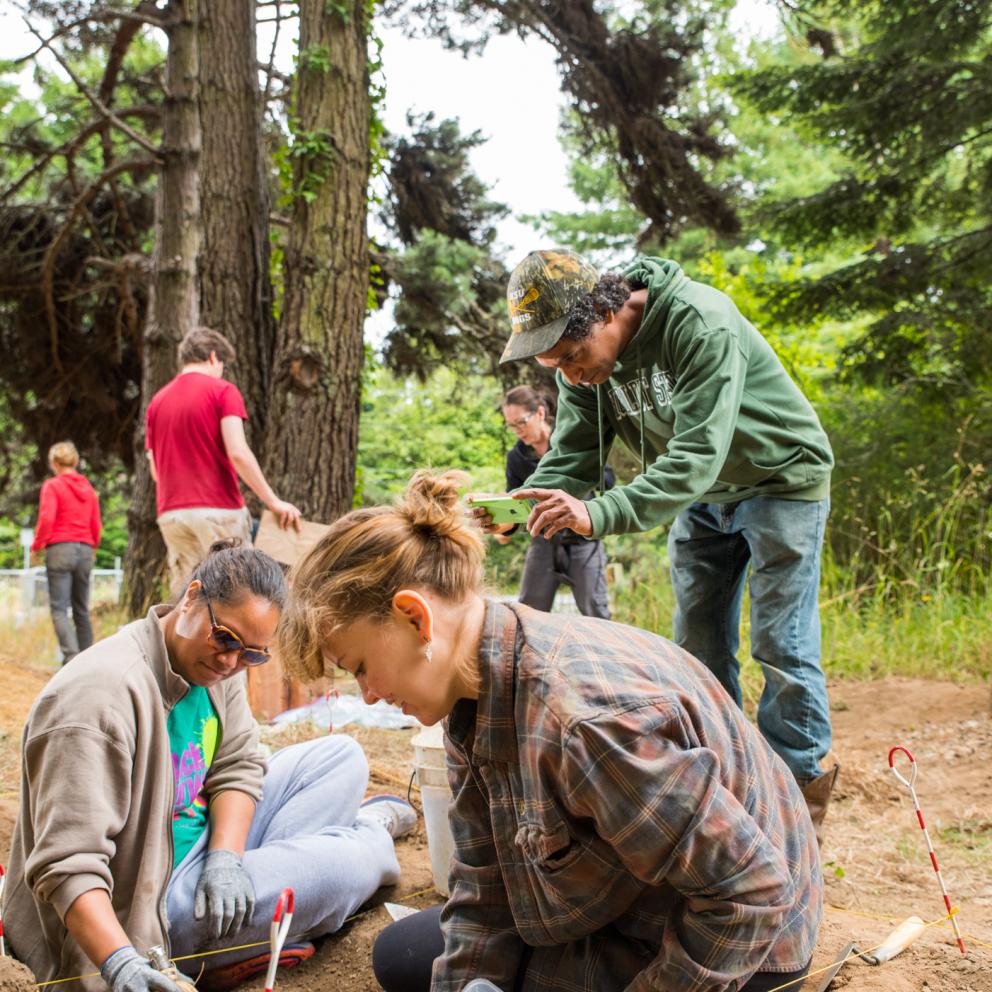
point(193, 727)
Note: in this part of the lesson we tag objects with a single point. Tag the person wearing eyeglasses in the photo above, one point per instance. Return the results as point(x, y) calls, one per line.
point(564, 558)
point(147, 815)
point(733, 461)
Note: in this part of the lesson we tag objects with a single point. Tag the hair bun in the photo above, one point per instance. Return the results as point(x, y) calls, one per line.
point(225, 544)
point(432, 501)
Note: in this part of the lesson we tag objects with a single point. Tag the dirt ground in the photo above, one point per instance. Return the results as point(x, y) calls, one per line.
point(875, 859)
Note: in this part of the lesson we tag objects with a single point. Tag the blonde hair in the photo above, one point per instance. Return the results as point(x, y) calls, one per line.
point(368, 555)
point(63, 454)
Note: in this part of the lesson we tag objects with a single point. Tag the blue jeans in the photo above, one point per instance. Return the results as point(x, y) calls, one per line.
point(710, 546)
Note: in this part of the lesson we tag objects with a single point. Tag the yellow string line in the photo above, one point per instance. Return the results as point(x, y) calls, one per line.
point(853, 954)
point(895, 919)
point(430, 888)
point(858, 912)
point(242, 947)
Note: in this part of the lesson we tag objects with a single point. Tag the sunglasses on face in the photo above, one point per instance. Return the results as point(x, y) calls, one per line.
point(224, 639)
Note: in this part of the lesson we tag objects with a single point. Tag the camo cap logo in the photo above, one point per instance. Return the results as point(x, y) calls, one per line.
point(541, 292)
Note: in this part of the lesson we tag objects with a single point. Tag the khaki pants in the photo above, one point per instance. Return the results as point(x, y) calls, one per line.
point(189, 533)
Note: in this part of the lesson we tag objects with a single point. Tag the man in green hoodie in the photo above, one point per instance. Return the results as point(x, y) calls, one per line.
point(732, 456)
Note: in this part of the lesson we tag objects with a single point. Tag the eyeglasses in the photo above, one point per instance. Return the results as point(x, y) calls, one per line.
point(521, 423)
point(224, 639)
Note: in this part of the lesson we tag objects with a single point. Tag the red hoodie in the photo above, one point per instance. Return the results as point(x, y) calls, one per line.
point(68, 511)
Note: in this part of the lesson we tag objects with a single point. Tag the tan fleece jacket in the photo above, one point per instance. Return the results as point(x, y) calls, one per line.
point(97, 793)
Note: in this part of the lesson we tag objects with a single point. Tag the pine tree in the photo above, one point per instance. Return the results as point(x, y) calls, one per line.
point(905, 91)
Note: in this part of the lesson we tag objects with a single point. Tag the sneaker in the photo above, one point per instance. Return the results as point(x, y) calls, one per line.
point(395, 814)
point(229, 976)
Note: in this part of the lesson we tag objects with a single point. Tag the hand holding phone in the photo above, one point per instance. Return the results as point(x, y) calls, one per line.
point(502, 509)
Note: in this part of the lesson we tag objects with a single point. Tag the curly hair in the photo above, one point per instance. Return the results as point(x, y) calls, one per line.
point(607, 296)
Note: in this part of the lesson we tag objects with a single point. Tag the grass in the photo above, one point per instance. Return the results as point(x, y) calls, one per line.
point(869, 632)
point(31, 640)
point(972, 839)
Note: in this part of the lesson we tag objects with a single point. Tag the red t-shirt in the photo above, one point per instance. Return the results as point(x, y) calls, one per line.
point(182, 430)
point(68, 510)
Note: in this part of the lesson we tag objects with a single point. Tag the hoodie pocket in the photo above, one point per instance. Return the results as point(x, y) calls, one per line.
point(748, 472)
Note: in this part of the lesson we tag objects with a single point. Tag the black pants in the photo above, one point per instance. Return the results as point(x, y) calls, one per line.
point(403, 956)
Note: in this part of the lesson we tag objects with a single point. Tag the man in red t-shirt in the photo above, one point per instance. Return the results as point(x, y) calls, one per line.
point(196, 447)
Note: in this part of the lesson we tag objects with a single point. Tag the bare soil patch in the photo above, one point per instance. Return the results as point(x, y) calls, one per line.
point(875, 859)
point(15, 977)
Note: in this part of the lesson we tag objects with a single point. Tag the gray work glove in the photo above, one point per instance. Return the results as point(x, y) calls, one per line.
point(481, 985)
point(224, 894)
point(127, 971)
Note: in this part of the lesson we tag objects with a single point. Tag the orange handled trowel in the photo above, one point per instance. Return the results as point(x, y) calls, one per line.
point(894, 944)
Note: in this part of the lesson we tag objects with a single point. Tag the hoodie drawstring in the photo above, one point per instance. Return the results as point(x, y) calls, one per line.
point(641, 400)
point(599, 424)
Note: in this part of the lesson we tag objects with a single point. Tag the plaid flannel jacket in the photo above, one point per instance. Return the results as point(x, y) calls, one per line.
point(618, 823)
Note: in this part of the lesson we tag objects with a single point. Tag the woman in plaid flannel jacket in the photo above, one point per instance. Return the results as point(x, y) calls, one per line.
point(618, 823)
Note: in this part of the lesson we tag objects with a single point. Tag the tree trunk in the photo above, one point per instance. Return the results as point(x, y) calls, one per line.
point(173, 303)
point(235, 289)
point(312, 432)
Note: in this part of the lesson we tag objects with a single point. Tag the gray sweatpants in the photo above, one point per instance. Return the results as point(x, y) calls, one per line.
point(580, 565)
point(68, 565)
point(306, 834)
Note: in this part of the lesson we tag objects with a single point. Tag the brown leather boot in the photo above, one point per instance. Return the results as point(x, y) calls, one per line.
point(816, 792)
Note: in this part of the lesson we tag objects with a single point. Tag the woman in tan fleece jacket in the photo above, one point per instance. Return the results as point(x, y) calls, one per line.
point(142, 820)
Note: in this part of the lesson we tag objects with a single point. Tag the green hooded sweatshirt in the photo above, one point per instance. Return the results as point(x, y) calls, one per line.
point(699, 394)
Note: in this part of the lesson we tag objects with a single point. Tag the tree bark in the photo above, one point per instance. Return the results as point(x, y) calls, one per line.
point(312, 432)
point(235, 289)
point(174, 303)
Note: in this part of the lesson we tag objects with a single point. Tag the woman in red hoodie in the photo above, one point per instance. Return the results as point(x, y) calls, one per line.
point(69, 531)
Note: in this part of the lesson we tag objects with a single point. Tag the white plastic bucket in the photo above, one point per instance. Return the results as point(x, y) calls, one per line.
point(435, 794)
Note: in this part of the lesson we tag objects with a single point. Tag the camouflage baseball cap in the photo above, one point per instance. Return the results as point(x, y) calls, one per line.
point(541, 292)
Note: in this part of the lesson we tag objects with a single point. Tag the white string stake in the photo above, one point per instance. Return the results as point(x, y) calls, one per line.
point(3, 882)
point(911, 785)
point(281, 920)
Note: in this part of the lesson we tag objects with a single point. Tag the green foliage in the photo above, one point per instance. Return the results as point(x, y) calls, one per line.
point(315, 58)
point(868, 633)
point(433, 187)
point(305, 162)
point(72, 238)
point(626, 70)
point(450, 308)
point(115, 496)
point(377, 98)
point(912, 498)
point(339, 8)
point(451, 420)
point(11, 552)
point(909, 102)
point(448, 421)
